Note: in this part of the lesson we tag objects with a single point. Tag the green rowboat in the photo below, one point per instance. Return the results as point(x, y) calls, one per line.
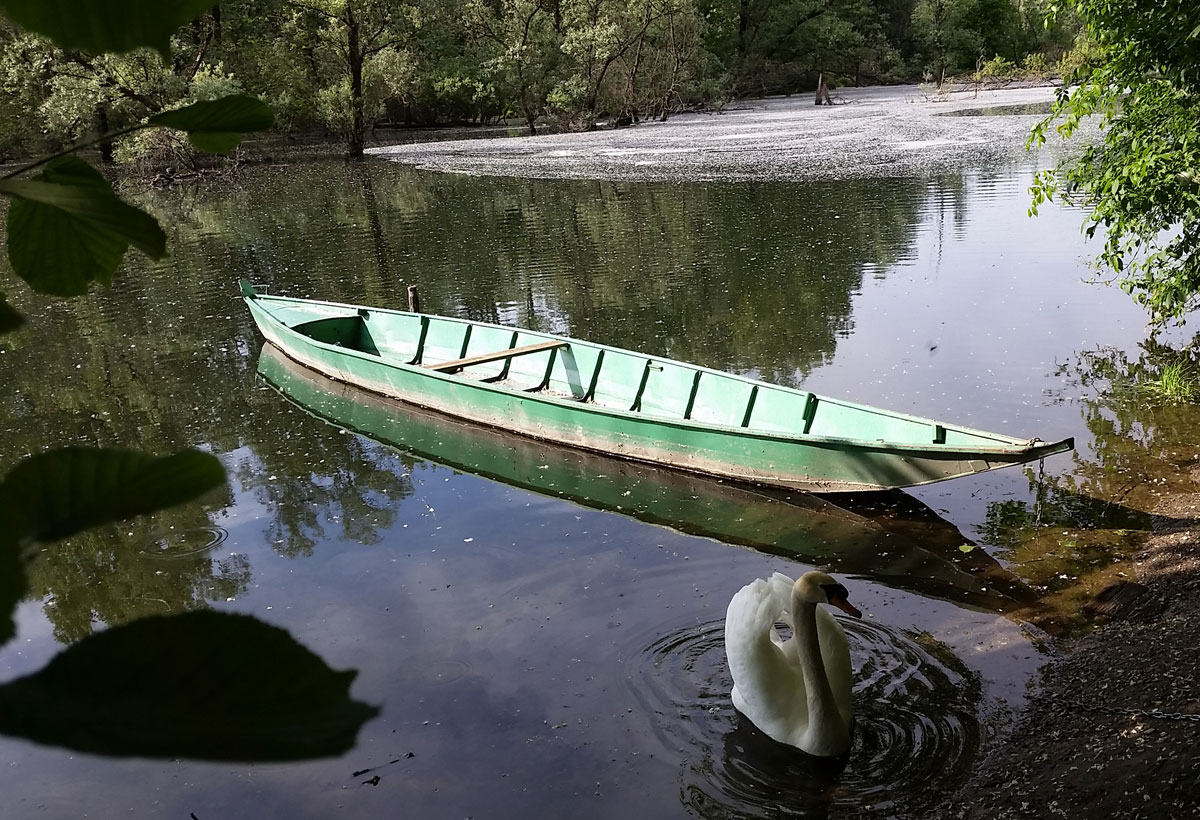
point(627, 404)
point(892, 538)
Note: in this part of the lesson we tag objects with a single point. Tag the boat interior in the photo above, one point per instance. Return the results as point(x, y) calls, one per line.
point(620, 380)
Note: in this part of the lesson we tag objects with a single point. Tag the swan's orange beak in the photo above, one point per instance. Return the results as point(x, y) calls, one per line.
point(846, 606)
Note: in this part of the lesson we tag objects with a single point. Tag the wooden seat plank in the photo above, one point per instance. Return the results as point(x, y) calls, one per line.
point(484, 358)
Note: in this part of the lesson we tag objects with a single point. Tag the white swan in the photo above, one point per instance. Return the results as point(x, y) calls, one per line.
point(796, 691)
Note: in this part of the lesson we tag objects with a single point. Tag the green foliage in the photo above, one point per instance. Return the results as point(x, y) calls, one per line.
point(105, 25)
point(996, 67)
point(347, 64)
point(216, 126)
point(1177, 381)
point(202, 685)
point(68, 228)
point(1141, 183)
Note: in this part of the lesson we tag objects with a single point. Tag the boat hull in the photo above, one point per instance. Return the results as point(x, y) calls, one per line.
point(801, 462)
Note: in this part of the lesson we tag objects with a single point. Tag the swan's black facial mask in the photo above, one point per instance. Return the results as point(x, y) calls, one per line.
point(839, 596)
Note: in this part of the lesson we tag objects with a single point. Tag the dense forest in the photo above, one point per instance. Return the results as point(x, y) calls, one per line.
point(346, 66)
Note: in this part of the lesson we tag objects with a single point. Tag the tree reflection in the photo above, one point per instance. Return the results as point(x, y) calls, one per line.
point(1081, 527)
point(742, 277)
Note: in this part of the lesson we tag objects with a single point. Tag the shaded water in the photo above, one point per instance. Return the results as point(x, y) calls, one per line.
point(541, 644)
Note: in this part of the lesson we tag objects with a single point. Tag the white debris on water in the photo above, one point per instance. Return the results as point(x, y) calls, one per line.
point(872, 132)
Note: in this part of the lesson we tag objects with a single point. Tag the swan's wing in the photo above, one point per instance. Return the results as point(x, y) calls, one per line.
point(780, 587)
point(767, 689)
point(781, 592)
point(835, 652)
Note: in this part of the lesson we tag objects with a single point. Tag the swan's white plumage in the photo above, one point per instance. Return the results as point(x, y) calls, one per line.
point(768, 676)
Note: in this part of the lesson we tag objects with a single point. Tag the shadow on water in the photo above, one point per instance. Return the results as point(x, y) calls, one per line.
point(907, 547)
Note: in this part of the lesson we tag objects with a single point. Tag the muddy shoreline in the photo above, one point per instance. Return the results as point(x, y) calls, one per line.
point(1113, 727)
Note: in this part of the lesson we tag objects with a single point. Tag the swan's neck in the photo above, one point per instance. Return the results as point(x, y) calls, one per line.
point(824, 719)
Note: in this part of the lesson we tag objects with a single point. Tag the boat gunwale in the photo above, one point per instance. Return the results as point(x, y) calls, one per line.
point(1019, 448)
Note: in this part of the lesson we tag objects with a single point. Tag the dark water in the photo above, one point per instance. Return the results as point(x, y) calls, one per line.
point(542, 630)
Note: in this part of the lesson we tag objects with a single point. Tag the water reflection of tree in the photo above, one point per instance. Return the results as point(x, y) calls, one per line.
point(113, 575)
point(310, 475)
point(735, 276)
point(1069, 541)
point(730, 275)
point(162, 367)
point(1144, 442)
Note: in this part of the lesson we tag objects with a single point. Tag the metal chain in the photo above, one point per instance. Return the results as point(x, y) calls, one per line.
point(1153, 714)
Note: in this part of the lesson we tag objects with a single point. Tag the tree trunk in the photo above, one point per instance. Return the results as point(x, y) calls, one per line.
point(106, 145)
point(822, 92)
point(355, 57)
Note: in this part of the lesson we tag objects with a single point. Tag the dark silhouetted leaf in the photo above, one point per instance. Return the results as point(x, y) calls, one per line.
point(9, 318)
point(217, 126)
point(12, 573)
point(64, 491)
point(105, 25)
point(68, 228)
point(202, 685)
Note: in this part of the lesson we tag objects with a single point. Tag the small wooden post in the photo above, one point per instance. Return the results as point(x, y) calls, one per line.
point(414, 299)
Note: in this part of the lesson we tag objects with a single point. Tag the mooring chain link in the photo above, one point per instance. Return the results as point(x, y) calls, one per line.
point(1153, 714)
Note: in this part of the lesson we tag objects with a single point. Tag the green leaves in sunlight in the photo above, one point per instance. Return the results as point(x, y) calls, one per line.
point(68, 228)
point(201, 685)
point(105, 25)
point(61, 492)
point(217, 126)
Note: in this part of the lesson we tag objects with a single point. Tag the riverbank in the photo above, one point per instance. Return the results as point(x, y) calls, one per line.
point(1114, 726)
point(869, 132)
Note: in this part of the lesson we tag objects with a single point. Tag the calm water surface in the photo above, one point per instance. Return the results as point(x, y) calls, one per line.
point(543, 630)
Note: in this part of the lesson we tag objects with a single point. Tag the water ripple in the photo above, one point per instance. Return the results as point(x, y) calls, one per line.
point(185, 543)
point(916, 734)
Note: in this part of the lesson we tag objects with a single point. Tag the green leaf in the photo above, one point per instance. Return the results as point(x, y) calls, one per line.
point(201, 685)
point(10, 320)
point(966, 547)
point(64, 491)
point(68, 228)
point(102, 26)
point(215, 142)
point(216, 126)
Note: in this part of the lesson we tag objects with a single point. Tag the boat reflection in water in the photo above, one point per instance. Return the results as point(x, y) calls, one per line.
point(901, 543)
